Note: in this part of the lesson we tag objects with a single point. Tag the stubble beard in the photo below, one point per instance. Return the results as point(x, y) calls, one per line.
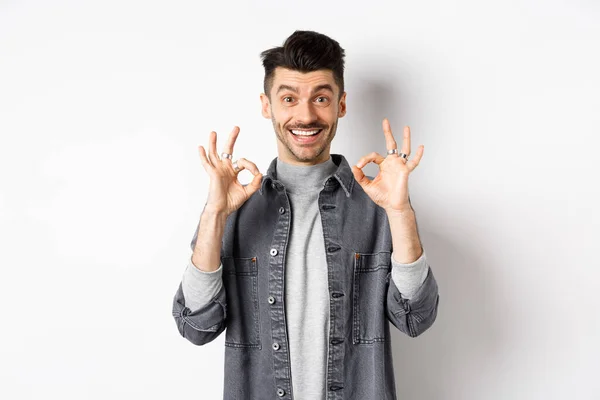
point(284, 137)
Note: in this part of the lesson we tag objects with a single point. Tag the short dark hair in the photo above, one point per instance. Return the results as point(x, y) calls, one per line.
point(305, 51)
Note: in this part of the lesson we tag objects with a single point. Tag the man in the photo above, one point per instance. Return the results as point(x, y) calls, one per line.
point(305, 266)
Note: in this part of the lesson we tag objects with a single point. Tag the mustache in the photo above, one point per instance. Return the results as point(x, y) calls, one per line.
point(310, 126)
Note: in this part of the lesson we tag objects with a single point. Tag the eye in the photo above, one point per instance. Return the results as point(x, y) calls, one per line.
point(285, 99)
point(322, 99)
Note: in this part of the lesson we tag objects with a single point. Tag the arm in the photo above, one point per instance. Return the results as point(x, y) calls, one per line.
point(199, 307)
point(389, 190)
point(412, 299)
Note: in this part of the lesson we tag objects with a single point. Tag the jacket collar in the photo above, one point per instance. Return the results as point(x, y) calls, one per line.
point(343, 174)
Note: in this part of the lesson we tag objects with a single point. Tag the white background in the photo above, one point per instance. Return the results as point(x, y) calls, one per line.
point(103, 106)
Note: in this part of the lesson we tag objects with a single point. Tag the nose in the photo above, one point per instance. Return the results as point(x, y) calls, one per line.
point(305, 113)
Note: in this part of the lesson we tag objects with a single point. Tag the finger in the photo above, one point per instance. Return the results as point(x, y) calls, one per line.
point(240, 166)
point(249, 165)
point(254, 185)
point(390, 142)
point(205, 161)
point(360, 177)
point(371, 157)
point(214, 157)
point(406, 141)
point(228, 148)
point(412, 164)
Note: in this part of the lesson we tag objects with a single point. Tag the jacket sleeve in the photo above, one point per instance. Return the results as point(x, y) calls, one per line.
point(200, 325)
point(415, 315)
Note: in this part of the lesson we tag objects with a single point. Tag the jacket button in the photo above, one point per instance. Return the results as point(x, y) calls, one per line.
point(271, 300)
point(281, 210)
point(273, 252)
point(275, 346)
point(280, 392)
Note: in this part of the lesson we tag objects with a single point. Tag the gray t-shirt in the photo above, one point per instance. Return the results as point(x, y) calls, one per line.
point(306, 289)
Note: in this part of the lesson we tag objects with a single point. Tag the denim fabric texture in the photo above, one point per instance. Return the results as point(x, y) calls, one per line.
point(363, 298)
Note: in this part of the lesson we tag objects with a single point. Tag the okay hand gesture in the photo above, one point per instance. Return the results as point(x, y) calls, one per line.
point(226, 194)
point(389, 189)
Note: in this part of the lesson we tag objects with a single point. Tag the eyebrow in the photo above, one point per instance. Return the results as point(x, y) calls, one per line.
point(325, 86)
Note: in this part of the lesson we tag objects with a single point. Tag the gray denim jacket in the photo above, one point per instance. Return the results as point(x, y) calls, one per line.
point(363, 297)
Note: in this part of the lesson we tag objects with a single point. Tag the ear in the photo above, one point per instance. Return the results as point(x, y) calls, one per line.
point(342, 106)
point(265, 106)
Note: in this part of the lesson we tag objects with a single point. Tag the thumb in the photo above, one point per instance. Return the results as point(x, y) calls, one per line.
point(360, 177)
point(254, 185)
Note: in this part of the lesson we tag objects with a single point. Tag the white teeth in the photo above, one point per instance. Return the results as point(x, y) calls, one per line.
point(305, 133)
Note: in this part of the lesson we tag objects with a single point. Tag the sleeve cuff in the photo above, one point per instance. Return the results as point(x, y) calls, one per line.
point(200, 287)
point(408, 278)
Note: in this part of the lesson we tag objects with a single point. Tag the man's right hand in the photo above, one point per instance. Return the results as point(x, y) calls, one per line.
point(226, 194)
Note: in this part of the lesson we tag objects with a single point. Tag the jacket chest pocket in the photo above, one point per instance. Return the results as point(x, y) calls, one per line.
point(371, 278)
point(240, 278)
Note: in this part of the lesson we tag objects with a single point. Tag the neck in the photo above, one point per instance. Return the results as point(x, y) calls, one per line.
point(286, 156)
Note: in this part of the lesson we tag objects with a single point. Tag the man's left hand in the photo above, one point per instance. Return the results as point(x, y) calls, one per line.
point(389, 189)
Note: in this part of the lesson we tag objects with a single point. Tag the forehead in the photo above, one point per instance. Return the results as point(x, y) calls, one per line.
point(303, 81)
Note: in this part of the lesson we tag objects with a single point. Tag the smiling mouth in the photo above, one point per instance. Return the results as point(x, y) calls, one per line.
point(305, 132)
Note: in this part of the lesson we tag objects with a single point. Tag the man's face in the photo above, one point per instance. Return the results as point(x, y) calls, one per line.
point(300, 105)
